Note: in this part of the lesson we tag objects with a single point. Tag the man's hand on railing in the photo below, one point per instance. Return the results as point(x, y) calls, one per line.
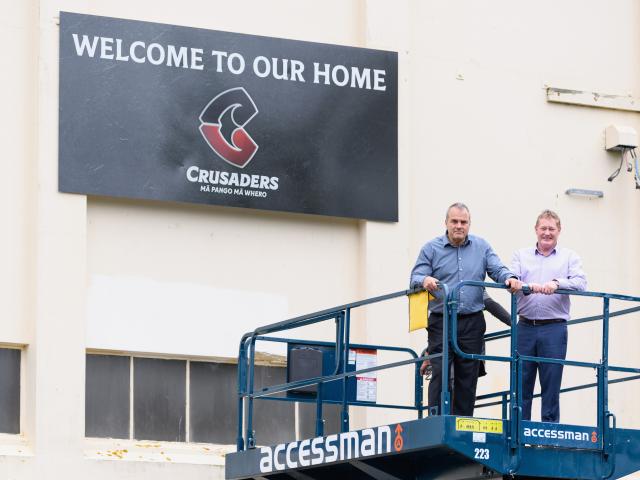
point(548, 288)
point(426, 369)
point(430, 284)
point(514, 284)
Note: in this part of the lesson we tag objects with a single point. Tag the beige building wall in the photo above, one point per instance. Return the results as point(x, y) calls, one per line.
point(474, 125)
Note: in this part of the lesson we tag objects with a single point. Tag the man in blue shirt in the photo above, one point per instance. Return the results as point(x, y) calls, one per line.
point(450, 259)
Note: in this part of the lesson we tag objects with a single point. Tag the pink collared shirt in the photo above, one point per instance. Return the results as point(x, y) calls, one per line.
point(561, 264)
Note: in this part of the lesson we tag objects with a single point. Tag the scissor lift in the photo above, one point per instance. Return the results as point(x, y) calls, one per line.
point(438, 446)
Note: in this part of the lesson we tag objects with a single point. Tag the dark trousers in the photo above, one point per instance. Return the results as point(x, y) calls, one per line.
point(471, 330)
point(550, 341)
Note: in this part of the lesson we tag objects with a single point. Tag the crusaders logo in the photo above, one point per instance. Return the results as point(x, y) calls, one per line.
point(222, 125)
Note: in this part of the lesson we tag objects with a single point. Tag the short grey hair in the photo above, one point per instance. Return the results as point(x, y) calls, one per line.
point(459, 206)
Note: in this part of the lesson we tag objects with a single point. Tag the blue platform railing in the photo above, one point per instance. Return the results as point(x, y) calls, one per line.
point(341, 316)
point(510, 400)
point(606, 420)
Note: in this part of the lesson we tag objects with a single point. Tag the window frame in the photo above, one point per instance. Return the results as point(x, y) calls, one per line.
point(21, 390)
point(270, 361)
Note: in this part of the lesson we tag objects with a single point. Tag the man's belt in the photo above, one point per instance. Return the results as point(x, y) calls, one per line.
point(543, 321)
point(460, 316)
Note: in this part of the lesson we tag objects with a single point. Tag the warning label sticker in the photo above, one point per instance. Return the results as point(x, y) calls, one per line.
point(478, 425)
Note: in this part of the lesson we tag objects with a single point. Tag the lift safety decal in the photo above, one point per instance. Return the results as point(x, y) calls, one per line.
point(478, 425)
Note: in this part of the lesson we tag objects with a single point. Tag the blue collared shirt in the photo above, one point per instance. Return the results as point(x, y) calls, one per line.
point(561, 264)
point(472, 260)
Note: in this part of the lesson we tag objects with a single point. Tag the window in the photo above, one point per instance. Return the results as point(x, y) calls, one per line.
point(214, 405)
point(307, 419)
point(177, 400)
point(10, 390)
point(159, 399)
point(213, 417)
point(107, 396)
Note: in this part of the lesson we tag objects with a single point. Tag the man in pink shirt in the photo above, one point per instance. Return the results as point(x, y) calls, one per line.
point(542, 326)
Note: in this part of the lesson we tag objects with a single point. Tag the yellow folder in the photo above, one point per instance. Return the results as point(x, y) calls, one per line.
point(418, 309)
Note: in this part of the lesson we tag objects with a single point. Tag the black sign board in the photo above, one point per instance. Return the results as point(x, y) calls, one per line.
point(163, 112)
